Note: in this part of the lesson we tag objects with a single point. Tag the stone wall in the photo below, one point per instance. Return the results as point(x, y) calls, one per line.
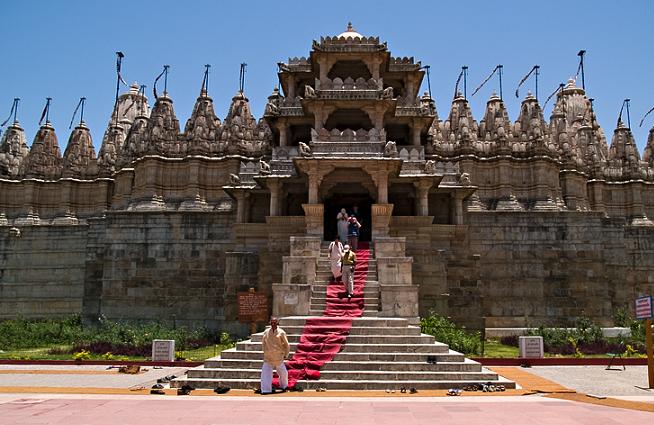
point(526, 269)
point(42, 270)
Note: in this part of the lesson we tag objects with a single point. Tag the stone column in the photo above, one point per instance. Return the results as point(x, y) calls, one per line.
point(415, 133)
point(313, 188)
point(291, 86)
point(283, 134)
point(275, 186)
point(382, 187)
point(241, 206)
point(381, 218)
point(457, 208)
point(422, 196)
point(314, 215)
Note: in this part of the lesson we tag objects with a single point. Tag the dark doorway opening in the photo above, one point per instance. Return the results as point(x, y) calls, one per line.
point(348, 201)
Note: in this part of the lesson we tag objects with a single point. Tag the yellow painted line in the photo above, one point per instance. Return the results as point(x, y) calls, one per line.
point(529, 381)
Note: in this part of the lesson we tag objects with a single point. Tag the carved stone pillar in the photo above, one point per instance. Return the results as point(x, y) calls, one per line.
point(275, 187)
point(382, 187)
point(415, 133)
point(314, 214)
point(422, 196)
point(381, 218)
point(314, 181)
point(291, 86)
point(457, 208)
point(65, 214)
point(242, 201)
point(283, 134)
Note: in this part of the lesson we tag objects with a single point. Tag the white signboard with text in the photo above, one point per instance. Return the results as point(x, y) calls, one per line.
point(163, 350)
point(531, 347)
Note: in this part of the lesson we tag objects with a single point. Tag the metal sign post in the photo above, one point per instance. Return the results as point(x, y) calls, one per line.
point(644, 311)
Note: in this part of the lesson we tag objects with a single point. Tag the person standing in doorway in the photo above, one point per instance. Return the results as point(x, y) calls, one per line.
point(275, 350)
point(342, 224)
point(335, 253)
point(353, 232)
point(348, 263)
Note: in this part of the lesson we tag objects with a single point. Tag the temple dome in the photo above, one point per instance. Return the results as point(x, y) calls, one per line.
point(350, 32)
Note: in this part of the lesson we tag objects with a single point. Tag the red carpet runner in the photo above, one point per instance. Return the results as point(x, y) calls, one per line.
point(322, 337)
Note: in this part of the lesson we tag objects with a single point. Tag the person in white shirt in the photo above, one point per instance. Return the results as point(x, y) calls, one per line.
point(275, 350)
point(335, 253)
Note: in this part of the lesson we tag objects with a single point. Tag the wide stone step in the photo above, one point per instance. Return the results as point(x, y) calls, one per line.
point(356, 322)
point(332, 384)
point(363, 348)
point(449, 356)
point(355, 330)
point(322, 302)
point(366, 313)
point(369, 339)
point(465, 366)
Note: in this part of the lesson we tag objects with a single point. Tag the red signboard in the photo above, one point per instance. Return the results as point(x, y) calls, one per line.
point(644, 307)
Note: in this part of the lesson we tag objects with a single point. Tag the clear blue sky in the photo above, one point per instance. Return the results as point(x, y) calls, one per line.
point(65, 50)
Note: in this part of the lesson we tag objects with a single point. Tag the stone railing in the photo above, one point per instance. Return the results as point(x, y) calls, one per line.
point(348, 84)
point(366, 148)
point(412, 107)
point(284, 106)
point(403, 64)
point(349, 44)
point(348, 135)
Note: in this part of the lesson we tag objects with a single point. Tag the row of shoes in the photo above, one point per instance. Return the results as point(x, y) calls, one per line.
point(487, 387)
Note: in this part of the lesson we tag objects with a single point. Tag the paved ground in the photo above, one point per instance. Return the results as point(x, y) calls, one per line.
point(117, 404)
point(599, 381)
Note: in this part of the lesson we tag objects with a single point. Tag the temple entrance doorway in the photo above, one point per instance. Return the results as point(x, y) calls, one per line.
point(333, 205)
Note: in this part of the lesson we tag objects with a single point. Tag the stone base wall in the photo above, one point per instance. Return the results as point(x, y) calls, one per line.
point(527, 269)
point(42, 270)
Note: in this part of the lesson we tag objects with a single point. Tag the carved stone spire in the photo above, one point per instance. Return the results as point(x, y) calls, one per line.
point(624, 159)
point(108, 156)
point(163, 130)
point(13, 150)
point(532, 129)
point(44, 160)
point(79, 158)
point(136, 144)
point(129, 106)
point(648, 154)
point(240, 133)
point(203, 127)
point(460, 128)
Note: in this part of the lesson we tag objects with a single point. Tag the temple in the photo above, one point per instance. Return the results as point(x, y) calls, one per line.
point(494, 223)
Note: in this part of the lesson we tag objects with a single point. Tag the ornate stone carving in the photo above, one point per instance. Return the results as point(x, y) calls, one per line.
point(305, 150)
point(464, 179)
point(202, 128)
point(430, 167)
point(136, 144)
point(163, 136)
point(264, 167)
point(108, 156)
point(44, 159)
point(234, 180)
point(390, 149)
point(13, 150)
point(241, 134)
point(79, 158)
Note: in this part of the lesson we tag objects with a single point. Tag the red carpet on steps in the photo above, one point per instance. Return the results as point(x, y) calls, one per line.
point(322, 337)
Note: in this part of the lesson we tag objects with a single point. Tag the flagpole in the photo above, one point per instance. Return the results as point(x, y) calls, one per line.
point(500, 68)
point(537, 72)
point(119, 63)
point(465, 82)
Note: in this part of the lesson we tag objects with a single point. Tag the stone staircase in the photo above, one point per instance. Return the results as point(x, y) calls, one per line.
point(324, 275)
point(379, 353)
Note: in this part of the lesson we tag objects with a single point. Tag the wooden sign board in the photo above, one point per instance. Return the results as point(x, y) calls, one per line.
point(252, 307)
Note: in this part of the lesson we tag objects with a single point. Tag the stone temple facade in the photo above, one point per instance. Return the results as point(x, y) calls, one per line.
point(493, 222)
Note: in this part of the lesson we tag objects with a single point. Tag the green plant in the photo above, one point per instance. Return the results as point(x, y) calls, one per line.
point(630, 351)
point(108, 356)
point(446, 331)
point(621, 317)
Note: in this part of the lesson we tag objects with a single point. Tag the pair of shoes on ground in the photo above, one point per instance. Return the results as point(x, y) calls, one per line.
point(166, 379)
point(454, 391)
point(185, 390)
point(411, 390)
point(258, 391)
point(157, 389)
point(321, 389)
point(390, 390)
point(296, 389)
point(222, 390)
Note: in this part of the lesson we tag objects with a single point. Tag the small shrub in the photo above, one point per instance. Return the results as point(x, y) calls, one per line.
point(448, 332)
point(81, 355)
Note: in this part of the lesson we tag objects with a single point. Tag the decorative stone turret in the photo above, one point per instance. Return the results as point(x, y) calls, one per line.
point(129, 106)
point(648, 153)
point(163, 130)
point(13, 150)
point(108, 157)
point(44, 160)
point(136, 144)
point(241, 134)
point(624, 160)
point(495, 127)
point(459, 131)
point(79, 158)
point(531, 130)
point(203, 127)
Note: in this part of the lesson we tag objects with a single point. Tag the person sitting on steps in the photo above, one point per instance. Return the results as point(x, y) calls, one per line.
point(348, 263)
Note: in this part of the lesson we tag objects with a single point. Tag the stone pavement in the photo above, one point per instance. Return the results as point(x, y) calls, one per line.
point(94, 395)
